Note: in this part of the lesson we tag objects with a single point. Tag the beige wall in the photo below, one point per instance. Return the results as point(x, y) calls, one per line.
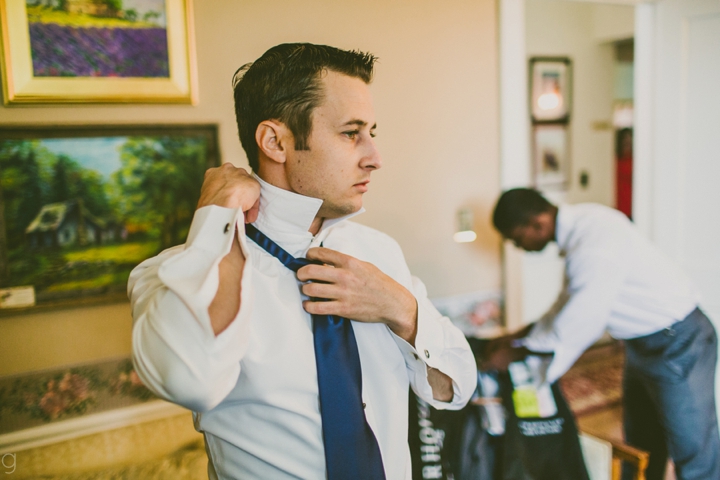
point(436, 104)
point(38, 341)
point(581, 31)
point(613, 22)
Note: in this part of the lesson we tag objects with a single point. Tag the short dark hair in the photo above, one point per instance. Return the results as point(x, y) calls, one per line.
point(284, 85)
point(516, 207)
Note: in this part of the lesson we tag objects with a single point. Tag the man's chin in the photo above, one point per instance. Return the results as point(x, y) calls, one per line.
point(539, 248)
point(534, 248)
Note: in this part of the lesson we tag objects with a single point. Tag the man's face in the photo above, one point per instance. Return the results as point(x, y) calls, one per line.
point(534, 236)
point(342, 151)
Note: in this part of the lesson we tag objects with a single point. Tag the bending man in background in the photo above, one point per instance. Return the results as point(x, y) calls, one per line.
point(616, 281)
point(241, 329)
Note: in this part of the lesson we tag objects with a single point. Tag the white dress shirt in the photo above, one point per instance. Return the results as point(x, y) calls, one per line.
point(615, 280)
point(253, 387)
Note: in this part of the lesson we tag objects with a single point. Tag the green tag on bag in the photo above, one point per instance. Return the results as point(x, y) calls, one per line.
point(526, 402)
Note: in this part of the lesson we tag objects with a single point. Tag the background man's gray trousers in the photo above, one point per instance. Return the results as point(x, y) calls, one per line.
point(669, 398)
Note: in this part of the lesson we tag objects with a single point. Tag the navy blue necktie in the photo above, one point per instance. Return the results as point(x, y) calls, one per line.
point(351, 449)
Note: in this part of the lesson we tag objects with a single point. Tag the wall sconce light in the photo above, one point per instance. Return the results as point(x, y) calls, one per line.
point(465, 232)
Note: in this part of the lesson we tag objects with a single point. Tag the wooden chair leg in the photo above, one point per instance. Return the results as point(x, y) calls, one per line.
point(622, 452)
point(616, 468)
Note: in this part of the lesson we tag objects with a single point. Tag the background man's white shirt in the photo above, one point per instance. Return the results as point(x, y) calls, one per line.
point(615, 280)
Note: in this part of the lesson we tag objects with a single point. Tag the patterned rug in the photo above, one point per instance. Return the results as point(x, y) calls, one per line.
point(595, 381)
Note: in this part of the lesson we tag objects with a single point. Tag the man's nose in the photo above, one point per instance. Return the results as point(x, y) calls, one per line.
point(371, 159)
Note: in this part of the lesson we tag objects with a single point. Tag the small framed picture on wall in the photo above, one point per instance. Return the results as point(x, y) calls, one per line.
point(551, 156)
point(550, 89)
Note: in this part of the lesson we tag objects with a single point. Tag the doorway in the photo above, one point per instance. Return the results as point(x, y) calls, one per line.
point(676, 149)
point(595, 41)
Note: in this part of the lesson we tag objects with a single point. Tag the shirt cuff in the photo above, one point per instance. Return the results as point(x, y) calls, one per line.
point(432, 350)
point(541, 339)
point(213, 229)
point(193, 273)
point(429, 342)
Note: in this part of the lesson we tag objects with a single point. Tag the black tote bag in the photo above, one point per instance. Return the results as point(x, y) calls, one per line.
point(453, 445)
point(540, 448)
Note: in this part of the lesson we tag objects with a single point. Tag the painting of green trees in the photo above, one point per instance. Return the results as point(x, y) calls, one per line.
point(80, 208)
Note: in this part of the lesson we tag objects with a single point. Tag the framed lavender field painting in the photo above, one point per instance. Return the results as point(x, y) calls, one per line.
point(97, 51)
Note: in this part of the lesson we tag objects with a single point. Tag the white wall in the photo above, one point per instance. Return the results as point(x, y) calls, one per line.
point(436, 101)
point(581, 31)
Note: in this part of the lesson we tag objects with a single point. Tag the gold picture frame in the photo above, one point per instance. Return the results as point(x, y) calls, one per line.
point(176, 81)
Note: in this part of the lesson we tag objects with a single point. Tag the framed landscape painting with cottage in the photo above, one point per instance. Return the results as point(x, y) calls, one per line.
point(80, 207)
point(97, 51)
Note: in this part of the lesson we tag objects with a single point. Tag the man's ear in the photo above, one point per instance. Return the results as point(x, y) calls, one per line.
point(535, 222)
point(273, 139)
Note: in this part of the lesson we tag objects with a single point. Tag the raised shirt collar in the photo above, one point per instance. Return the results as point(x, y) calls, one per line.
point(287, 216)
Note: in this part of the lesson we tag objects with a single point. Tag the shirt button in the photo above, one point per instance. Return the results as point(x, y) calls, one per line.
point(227, 228)
point(416, 357)
point(427, 354)
point(364, 405)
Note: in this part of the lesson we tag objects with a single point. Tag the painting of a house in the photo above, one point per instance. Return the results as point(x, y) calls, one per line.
point(81, 207)
point(69, 224)
point(98, 8)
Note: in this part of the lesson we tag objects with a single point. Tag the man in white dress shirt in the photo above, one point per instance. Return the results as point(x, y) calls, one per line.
point(224, 329)
point(617, 281)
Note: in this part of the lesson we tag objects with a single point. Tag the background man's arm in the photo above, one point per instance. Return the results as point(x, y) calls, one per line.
point(502, 351)
point(595, 279)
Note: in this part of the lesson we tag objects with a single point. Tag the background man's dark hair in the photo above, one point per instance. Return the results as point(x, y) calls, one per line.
point(516, 207)
point(284, 85)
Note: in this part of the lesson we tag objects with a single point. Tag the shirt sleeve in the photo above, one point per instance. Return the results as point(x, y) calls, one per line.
point(594, 281)
point(175, 351)
point(441, 345)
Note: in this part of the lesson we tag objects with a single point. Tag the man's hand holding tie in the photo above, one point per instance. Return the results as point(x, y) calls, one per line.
point(350, 288)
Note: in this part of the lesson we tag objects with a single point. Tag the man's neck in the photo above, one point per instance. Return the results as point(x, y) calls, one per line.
point(273, 173)
point(275, 176)
point(316, 225)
